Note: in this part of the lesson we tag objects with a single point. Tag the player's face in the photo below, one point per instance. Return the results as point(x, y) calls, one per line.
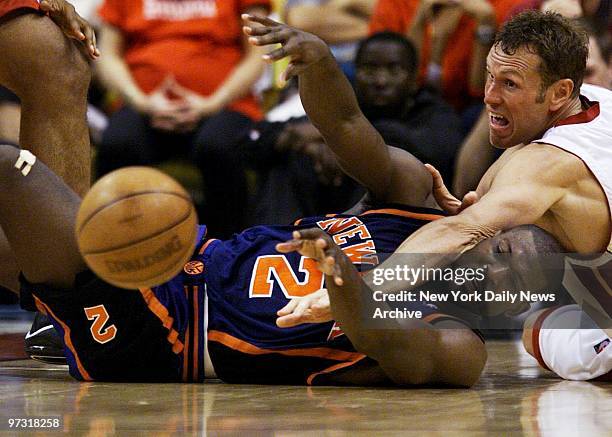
point(511, 260)
point(518, 110)
point(382, 76)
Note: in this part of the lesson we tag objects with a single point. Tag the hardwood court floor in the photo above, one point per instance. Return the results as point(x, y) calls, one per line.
point(513, 397)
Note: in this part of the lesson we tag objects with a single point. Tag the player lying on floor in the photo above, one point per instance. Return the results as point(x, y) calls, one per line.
point(160, 334)
point(555, 130)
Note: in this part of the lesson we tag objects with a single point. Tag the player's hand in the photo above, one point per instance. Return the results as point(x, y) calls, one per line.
point(316, 244)
point(72, 24)
point(303, 49)
point(443, 196)
point(313, 308)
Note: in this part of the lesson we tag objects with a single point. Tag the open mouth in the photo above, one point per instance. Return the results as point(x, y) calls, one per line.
point(498, 121)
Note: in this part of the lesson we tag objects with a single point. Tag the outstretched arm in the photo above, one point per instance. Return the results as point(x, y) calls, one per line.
point(332, 107)
point(411, 352)
point(530, 183)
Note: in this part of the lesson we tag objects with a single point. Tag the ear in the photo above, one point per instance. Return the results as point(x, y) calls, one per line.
point(561, 92)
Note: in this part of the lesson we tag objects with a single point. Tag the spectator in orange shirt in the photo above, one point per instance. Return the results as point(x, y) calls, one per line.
point(185, 73)
point(453, 36)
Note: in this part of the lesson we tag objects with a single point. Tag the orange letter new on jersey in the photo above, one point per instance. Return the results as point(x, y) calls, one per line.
point(99, 315)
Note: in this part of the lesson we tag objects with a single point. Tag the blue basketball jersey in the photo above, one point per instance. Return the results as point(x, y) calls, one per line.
point(247, 281)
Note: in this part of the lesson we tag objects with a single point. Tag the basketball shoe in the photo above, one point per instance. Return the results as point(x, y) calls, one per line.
point(43, 342)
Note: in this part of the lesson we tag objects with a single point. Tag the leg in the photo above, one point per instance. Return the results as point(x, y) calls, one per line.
point(50, 76)
point(38, 217)
point(219, 156)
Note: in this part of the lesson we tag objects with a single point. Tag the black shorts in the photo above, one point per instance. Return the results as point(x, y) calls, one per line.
point(110, 334)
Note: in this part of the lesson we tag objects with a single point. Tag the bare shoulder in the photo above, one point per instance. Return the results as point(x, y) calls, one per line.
point(544, 162)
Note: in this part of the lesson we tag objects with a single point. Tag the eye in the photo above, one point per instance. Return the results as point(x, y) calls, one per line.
point(510, 84)
point(503, 246)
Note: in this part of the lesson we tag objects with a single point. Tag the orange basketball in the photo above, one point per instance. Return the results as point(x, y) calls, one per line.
point(136, 227)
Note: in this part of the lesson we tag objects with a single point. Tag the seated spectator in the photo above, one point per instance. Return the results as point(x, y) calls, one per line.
point(297, 173)
point(453, 38)
point(410, 117)
point(185, 73)
point(340, 23)
point(597, 72)
point(292, 154)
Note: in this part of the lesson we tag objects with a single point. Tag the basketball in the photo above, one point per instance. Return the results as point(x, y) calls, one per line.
point(136, 227)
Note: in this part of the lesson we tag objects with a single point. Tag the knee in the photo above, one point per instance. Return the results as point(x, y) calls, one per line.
point(527, 336)
point(49, 64)
point(72, 72)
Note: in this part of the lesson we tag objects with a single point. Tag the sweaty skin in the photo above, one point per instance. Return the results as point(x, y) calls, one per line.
point(531, 183)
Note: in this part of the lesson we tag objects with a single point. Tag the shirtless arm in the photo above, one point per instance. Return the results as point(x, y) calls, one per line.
point(530, 183)
point(332, 107)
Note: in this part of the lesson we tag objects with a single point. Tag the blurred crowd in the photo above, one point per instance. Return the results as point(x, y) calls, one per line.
point(177, 87)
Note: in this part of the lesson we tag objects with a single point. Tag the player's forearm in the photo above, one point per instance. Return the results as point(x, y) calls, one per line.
point(332, 107)
point(402, 349)
point(435, 245)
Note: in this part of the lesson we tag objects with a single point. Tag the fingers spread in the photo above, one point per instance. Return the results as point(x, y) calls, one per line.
point(276, 55)
point(289, 246)
point(260, 19)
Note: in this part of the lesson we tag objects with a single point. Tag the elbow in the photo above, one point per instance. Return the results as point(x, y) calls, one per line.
point(467, 354)
point(450, 358)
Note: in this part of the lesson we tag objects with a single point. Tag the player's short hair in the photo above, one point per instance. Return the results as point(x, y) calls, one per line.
point(544, 242)
point(562, 45)
point(410, 52)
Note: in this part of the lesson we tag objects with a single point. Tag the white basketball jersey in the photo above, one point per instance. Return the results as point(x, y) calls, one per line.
point(588, 135)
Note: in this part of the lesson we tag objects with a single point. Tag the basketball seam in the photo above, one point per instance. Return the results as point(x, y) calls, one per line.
point(131, 243)
point(163, 272)
point(101, 208)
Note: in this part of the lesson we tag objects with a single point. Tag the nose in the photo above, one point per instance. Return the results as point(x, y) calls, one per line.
point(500, 276)
point(381, 77)
point(492, 95)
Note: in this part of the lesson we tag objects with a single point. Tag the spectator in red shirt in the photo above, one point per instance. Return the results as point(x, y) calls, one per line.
point(185, 73)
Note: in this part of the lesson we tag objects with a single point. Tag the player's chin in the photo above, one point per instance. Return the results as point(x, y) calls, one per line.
point(501, 142)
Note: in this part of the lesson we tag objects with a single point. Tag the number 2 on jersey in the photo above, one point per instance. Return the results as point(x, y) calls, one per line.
point(100, 316)
point(270, 269)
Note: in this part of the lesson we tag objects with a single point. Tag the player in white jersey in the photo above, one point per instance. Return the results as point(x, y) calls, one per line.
point(574, 340)
point(535, 70)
